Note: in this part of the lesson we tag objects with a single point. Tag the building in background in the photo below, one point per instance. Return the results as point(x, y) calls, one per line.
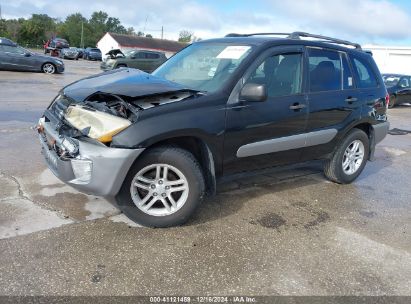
point(391, 59)
point(111, 41)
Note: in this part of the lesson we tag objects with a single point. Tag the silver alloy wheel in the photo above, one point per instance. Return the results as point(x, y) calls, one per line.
point(159, 189)
point(353, 157)
point(49, 68)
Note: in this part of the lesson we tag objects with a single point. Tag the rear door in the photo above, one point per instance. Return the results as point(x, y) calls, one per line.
point(404, 92)
point(263, 134)
point(153, 61)
point(3, 58)
point(138, 61)
point(334, 101)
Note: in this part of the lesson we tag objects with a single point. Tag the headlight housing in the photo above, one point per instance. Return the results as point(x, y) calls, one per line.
point(102, 126)
point(110, 62)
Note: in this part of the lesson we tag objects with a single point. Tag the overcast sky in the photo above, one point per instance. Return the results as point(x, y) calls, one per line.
point(364, 21)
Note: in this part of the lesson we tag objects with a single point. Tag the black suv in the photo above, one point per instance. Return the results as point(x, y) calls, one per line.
point(157, 144)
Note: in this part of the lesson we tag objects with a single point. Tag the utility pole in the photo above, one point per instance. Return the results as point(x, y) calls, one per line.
point(162, 32)
point(1, 16)
point(82, 32)
point(145, 24)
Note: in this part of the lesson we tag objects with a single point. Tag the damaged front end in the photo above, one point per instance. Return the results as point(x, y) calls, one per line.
point(76, 135)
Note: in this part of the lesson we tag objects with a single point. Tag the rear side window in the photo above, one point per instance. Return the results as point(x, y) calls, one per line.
point(152, 56)
point(140, 55)
point(404, 82)
point(365, 75)
point(325, 70)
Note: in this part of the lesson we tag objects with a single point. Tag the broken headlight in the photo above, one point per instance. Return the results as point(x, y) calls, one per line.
point(95, 124)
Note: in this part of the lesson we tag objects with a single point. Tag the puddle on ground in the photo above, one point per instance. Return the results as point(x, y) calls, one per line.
point(272, 221)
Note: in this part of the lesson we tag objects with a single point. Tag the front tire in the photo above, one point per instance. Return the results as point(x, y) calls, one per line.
point(49, 68)
point(349, 158)
point(163, 188)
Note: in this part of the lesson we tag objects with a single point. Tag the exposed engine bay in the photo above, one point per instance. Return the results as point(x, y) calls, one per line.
point(99, 117)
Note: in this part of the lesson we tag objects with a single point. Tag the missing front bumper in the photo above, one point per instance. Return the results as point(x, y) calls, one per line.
point(97, 170)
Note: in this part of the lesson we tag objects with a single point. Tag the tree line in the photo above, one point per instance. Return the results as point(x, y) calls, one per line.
point(41, 27)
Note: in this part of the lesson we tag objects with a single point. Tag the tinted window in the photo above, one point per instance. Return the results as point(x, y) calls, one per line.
point(139, 55)
point(325, 70)
point(152, 56)
point(12, 49)
point(281, 74)
point(404, 82)
point(365, 75)
point(348, 82)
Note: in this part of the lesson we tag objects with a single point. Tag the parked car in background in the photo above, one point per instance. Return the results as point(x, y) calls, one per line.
point(92, 54)
point(55, 43)
point(146, 61)
point(70, 53)
point(14, 57)
point(158, 143)
point(399, 88)
point(80, 52)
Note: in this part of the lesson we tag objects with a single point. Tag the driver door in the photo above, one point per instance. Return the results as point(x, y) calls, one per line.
point(15, 58)
point(271, 132)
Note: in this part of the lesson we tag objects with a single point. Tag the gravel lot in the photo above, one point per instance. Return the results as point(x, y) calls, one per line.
point(282, 232)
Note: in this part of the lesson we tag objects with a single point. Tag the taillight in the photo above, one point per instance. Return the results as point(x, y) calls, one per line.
point(387, 100)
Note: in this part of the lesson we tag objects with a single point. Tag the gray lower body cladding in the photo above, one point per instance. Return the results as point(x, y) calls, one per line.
point(105, 167)
point(287, 143)
point(380, 131)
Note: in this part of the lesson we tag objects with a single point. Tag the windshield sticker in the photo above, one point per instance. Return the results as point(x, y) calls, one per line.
point(233, 52)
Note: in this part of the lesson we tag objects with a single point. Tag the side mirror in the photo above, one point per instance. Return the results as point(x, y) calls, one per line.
point(27, 54)
point(253, 92)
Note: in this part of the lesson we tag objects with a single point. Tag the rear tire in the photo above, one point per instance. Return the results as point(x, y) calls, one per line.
point(152, 197)
point(392, 101)
point(349, 158)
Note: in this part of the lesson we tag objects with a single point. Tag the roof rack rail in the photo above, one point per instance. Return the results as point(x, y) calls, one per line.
point(298, 35)
point(256, 34)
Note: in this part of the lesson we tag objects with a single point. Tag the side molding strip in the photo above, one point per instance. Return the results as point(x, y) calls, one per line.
point(287, 143)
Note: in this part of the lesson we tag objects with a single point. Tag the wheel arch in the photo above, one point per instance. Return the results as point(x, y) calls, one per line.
point(366, 127)
point(201, 151)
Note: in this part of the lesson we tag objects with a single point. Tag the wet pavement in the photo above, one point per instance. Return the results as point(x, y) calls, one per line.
point(284, 231)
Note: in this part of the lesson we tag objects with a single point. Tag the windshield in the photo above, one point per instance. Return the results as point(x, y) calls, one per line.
point(129, 53)
point(204, 67)
point(391, 80)
point(95, 50)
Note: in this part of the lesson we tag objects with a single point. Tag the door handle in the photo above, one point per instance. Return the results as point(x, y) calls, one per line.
point(351, 99)
point(297, 106)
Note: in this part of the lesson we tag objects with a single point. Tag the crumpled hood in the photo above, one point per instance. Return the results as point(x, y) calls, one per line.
point(114, 53)
point(126, 82)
